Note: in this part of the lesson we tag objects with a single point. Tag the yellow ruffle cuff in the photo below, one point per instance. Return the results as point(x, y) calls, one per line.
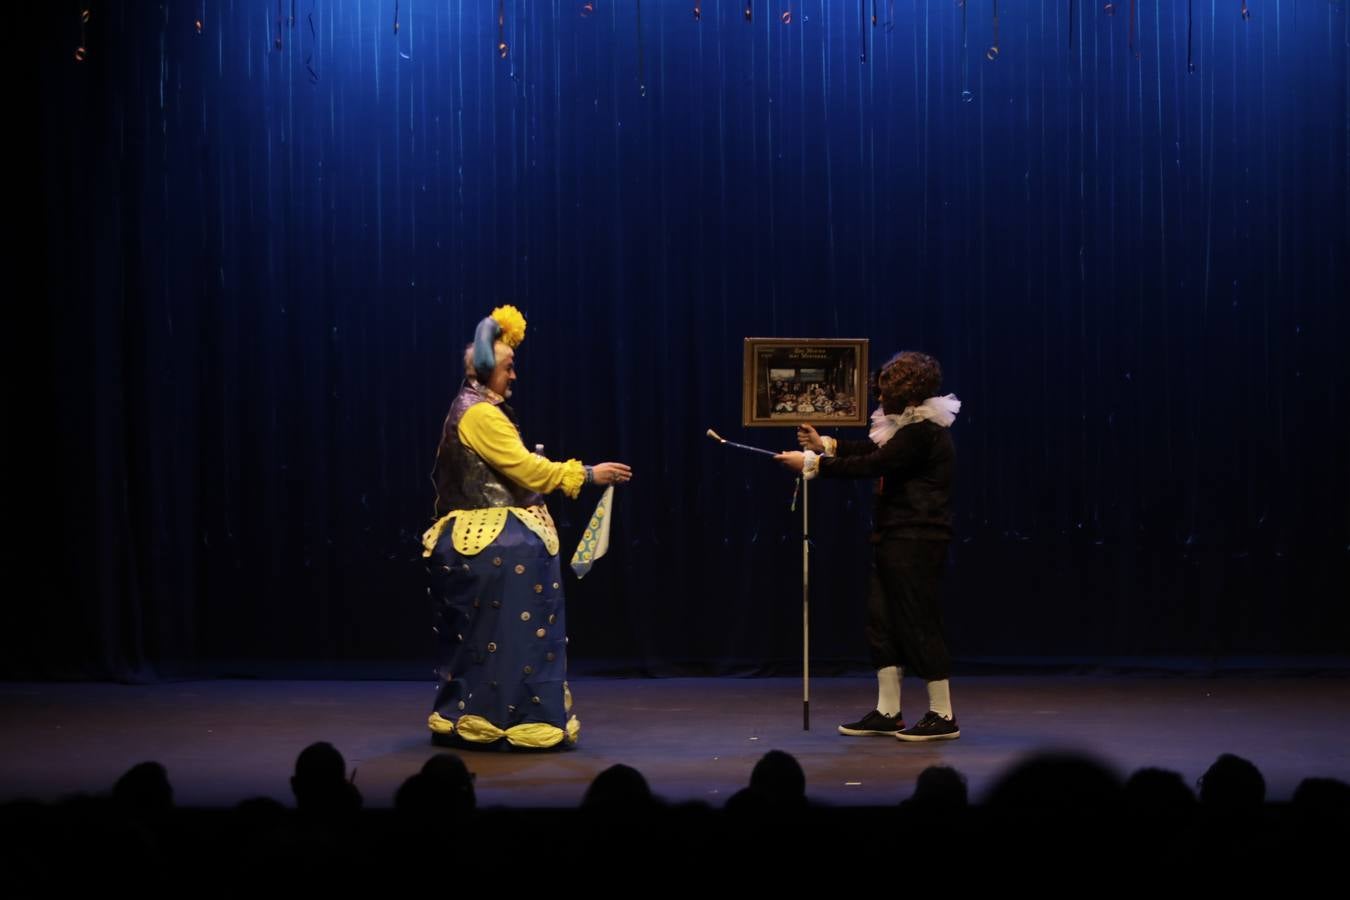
point(573, 477)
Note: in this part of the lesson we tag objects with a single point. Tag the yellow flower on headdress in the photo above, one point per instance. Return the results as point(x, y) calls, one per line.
point(512, 324)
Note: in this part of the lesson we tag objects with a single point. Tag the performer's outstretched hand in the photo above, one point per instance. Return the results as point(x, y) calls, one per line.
point(809, 439)
point(612, 473)
point(792, 459)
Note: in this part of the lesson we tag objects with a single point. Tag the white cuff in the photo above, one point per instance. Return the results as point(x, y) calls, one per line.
point(810, 464)
point(831, 444)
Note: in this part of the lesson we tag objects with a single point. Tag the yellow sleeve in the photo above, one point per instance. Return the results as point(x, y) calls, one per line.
point(487, 431)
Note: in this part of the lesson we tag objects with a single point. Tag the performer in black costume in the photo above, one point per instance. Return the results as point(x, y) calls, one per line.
point(910, 454)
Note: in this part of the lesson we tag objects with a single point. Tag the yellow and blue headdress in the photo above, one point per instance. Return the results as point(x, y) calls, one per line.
point(506, 324)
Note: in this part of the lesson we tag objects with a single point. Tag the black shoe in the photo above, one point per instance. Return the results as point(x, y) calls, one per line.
point(932, 727)
point(874, 723)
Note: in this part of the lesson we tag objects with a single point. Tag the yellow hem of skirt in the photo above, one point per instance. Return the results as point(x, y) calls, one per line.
point(529, 735)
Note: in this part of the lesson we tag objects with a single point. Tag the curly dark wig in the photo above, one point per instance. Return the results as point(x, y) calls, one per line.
point(907, 379)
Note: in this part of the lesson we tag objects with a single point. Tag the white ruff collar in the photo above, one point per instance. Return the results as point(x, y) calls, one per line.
point(939, 410)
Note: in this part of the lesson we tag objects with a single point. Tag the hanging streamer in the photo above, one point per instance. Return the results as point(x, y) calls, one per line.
point(966, 95)
point(642, 80)
point(313, 39)
point(862, 29)
point(992, 53)
point(1190, 27)
point(397, 26)
point(81, 52)
point(1134, 19)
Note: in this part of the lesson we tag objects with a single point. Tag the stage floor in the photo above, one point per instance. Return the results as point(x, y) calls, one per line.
point(693, 738)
